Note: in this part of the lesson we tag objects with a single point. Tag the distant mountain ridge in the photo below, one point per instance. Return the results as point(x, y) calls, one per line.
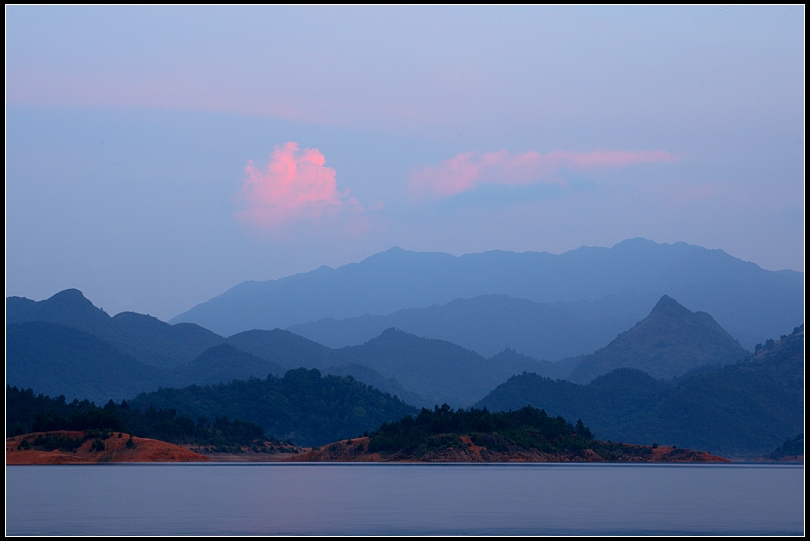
point(102, 358)
point(669, 342)
point(438, 370)
point(58, 360)
point(487, 325)
point(744, 409)
point(146, 338)
point(750, 302)
point(739, 407)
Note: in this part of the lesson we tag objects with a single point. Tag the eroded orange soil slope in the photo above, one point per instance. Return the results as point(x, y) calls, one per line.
point(115, 450)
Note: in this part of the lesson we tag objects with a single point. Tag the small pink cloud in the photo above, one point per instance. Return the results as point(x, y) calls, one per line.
point(471, 169)
point(295, 186)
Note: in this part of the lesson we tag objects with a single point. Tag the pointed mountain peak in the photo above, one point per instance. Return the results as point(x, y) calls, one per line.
point(71, 303)
point(69, 307)
point(69, 296)
point(668, 305)
point(669, 342)
point(670, 317)
point(392, 333)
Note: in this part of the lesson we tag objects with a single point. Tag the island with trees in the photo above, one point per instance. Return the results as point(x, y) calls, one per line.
point(478, 435)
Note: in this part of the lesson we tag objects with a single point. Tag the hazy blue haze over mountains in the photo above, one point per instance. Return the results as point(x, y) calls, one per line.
point(223, 363)
point(283, 348)
point(59, 359)
point(439, 371)
point(669, 342)
point(750, 302)
point(487, 325)
point(289, 350)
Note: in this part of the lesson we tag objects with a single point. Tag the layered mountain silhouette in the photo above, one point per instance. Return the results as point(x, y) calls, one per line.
point(127, 354)
point(669, 342)
point(750, 302)
point(487, 325)
point(437, 370)
point(146, 338)
point(58, 360)
point(67, 346)
point(283, 348)
point(744, 409)
point(222, 363)
point(371, 377)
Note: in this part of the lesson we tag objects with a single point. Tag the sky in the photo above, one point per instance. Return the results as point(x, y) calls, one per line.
point(157, 156)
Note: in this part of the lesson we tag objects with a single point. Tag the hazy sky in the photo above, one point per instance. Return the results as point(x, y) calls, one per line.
point(157, 156)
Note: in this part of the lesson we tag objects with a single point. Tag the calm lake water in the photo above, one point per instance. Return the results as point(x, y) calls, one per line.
point(158, 499)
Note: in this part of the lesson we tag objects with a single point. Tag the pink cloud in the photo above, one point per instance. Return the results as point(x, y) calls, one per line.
point(471, 169)
point(295, 186)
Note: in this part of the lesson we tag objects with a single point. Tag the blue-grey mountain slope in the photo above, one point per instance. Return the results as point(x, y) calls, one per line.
point(744, 409)
point(48, 361)
point(151, 341)
point(487, 325)
point(59, 360)
point(223, 363)
point(750, 302)
point(437, 370)
point(669, 342)
point(283, 348)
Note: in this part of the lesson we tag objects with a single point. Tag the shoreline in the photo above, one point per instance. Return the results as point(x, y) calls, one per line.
point(146, 450)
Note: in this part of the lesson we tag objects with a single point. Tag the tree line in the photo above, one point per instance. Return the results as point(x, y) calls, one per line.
point(27, 412)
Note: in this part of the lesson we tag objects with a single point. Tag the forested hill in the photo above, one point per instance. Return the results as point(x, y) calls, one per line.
point(526, 435)
point(302, 406)
point(746, 409)
point(27, 413)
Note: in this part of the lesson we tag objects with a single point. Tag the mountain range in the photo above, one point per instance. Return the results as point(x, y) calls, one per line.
point(144, 337)
point(669, 374)
point(56, 358)
point(487, 324)
point(744, 409)
point(65, 345)
point(621, 282)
